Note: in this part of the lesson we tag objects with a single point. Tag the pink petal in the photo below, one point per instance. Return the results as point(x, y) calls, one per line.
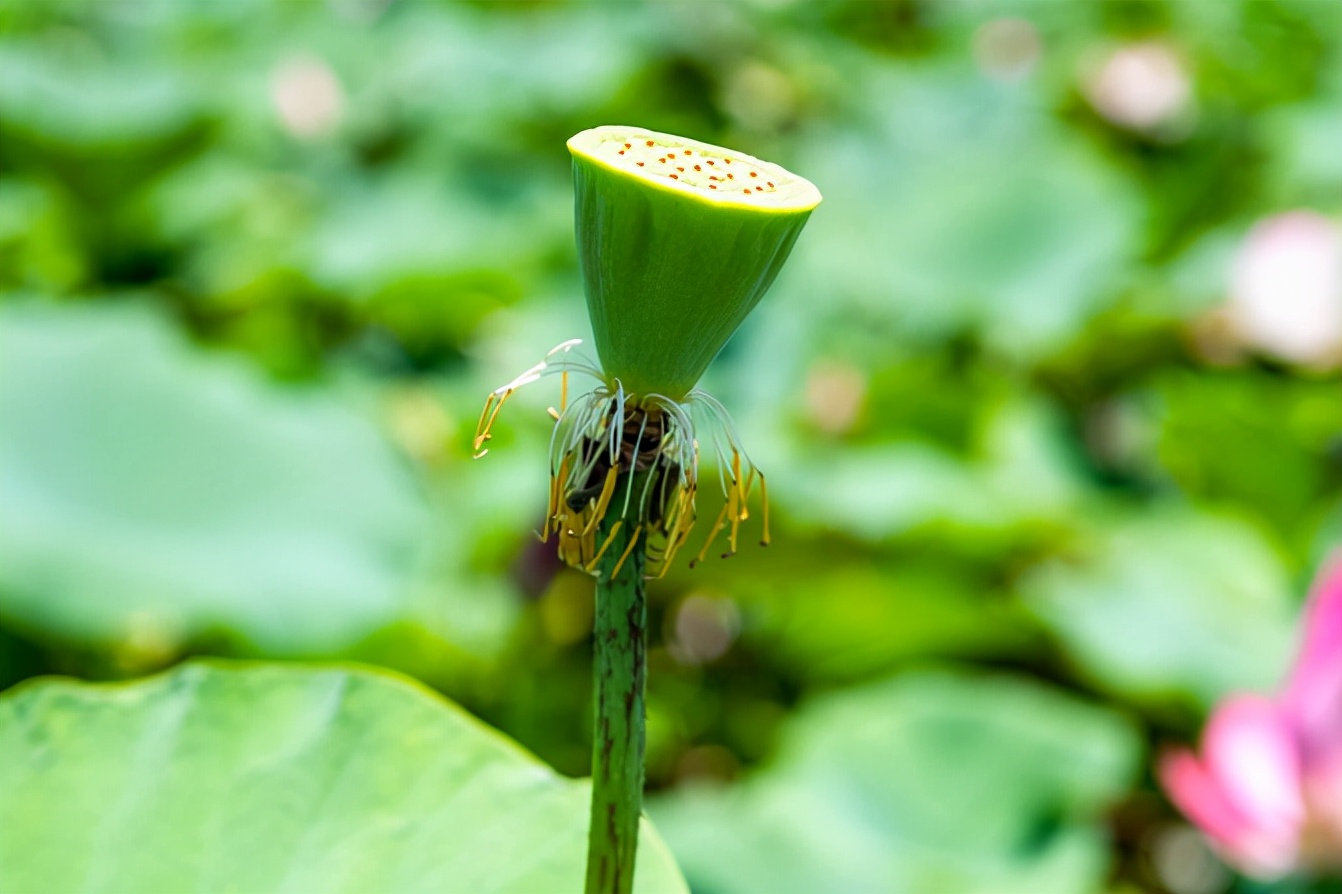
point(1202, 799)
point(1251, 751)
point(1313, 695)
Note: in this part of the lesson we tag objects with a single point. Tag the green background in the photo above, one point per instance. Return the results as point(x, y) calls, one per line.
point(1037, 504)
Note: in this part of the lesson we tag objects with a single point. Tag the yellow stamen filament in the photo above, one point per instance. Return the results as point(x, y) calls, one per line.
point(496, 400)
point(712, 535)
point(586, 547)
point(735, 501)
point(627, 550)
point(764, 502)
point(481, 429)
point(735, 519)
point(484, 414)
point(745, 494)
point(603, 501)
point(610, 538)
point(553, 520)
point(680, 528)
point(612, 417)
point(570, 549)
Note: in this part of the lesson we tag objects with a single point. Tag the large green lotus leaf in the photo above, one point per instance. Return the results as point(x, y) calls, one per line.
point(220, 777)
point(1019, 473)
point(150, 493)
point(854, 620)
point(959, 203)
point(1172, 604)
point(833, 613)
point(38, 239)
point(552, 62)
point(1304, 136)
point(1219, 445)
point(414, 225)
point(60, 98)
point(926, 782)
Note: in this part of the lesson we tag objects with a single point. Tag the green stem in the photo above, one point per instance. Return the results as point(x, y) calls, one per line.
point(619, 674)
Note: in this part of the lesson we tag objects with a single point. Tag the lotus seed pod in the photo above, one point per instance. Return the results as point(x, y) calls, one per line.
point(677, 241)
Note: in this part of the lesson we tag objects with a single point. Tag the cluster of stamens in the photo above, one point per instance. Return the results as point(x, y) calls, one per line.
point(636, 456)
point(701, 168)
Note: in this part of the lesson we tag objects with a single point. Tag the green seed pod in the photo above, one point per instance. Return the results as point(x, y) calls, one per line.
point(677, 240)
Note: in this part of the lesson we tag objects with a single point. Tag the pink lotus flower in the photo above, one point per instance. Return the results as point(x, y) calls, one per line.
point(1267, 788)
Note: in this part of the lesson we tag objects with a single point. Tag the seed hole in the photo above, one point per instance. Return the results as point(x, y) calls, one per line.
point(753, 174)
point(650, 142)
point(697, 168)
point(674, 177)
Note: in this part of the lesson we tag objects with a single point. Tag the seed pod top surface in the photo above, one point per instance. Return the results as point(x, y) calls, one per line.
point(678, 240)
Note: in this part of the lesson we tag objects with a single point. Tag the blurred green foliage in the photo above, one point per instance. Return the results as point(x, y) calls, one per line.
point(260, 262)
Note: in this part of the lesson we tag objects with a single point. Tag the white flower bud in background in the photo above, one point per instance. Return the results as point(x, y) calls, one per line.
point(1141, 86)
point(308, 98)
point(1286, 289)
